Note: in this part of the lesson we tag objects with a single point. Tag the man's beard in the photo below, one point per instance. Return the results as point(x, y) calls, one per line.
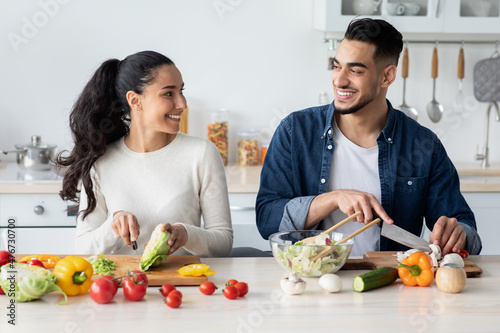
point(355, 108)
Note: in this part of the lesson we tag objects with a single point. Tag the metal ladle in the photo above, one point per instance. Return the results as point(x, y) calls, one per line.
point(434, 109)
point(408, 110)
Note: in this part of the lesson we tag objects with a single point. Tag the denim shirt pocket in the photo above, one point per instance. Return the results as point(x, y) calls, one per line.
point(409, 201)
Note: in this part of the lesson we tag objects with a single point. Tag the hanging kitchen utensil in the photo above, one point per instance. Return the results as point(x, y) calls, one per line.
point(458, 106)
point(434, 109)
point(487, 79)
point(408, 110)
point(34, 156)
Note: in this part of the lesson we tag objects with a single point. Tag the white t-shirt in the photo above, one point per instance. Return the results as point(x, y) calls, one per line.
point(174, 184)
point(356, 168)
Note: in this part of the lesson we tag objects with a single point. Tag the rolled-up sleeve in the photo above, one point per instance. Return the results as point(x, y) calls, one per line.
point(474, 244)
point(295, 214)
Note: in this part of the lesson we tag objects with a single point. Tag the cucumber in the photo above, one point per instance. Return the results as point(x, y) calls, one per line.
point(377, 278)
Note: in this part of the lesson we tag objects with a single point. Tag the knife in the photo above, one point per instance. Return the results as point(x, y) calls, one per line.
point(404, 237)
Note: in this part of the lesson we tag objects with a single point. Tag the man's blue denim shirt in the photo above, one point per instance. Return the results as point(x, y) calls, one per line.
point(417, 178)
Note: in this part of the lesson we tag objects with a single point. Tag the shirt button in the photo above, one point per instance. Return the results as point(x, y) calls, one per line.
point(330, 131)
point(410, 182)
point(330, 147)
point(323, 180)
point(389, 139)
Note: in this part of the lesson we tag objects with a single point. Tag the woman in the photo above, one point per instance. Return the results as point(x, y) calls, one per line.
point(137, 170)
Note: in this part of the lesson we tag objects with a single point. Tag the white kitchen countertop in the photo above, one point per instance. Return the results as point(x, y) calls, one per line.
point(395, 308)
point(246, 179)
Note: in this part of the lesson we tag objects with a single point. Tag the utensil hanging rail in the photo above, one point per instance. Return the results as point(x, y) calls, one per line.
point(334, 42)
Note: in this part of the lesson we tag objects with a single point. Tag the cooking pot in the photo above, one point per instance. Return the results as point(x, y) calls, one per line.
point(35, 155)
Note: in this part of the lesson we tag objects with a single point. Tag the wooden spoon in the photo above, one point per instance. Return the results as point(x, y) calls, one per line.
point(312, 239)
point(330, 249)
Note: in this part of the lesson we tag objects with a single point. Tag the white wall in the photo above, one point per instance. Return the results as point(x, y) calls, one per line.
point(261, 59)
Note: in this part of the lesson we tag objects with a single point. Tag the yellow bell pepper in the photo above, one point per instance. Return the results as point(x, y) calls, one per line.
point(195, 270)
point(75, 275)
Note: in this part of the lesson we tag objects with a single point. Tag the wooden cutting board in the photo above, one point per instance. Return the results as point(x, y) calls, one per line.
point(377, 259)
point(166, 272)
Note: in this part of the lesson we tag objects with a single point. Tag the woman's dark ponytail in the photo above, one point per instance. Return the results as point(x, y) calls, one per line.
point(100, 116)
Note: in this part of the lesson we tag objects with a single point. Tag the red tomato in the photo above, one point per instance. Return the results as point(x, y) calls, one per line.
point(134, 290)
point(242, 288)
point(231, 282)
point(176, 293)
point(6, 257)
point(1, 291)
point(463, 253)
point(36, 262)
point(140, 276)
point(231, 292)
point(207, 288)
point(166, 289)
point(173, 300)
point(115, 282)
point(102, 290)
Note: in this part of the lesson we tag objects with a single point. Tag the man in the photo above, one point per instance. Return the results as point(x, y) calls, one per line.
point(360, 154)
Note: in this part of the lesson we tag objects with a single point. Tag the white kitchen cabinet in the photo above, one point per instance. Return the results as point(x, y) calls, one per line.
point(244, 223)
point(36, 223)
point(486, 208)
point(431, 16)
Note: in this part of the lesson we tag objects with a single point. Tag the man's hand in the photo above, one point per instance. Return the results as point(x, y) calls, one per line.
point(125, 225)
point(448, 235)
point(349, 202)
point(352, 201)
point(178, 236)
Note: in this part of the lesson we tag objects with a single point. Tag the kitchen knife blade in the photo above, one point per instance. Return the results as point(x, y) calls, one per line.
point(404, 237)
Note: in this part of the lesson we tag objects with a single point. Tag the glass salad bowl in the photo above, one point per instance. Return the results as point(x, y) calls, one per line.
point(292, 255)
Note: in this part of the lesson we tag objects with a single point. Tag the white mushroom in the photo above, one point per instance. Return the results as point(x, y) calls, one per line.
point(403, 255)
point(331, 283)
point(435, 254)
point(452, 258)
point(293, 285)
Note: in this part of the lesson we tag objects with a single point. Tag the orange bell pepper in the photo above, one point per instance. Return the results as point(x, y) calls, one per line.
point(48, 260)
point(416, 270)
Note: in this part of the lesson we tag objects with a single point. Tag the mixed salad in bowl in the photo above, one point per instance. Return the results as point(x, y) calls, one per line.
point(293, 255)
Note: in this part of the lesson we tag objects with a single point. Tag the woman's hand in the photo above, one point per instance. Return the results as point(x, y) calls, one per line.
point(125, 225)
point(178, 236)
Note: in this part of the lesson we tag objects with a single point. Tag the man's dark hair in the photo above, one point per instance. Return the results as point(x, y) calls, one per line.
point(387, 40)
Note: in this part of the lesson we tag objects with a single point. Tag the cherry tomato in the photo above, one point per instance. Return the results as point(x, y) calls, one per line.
point(231, 292)
point(115, 282)
point(1, 291)
point(36, 262)
point(231, 282)
point(173, 300)
point(6, 257)
point(242, 288)
point(134, 290)
point(463, 253)
point(102, 290)
point(176, 293)
point(140, 276)
point(207, 288)
point(166, 289)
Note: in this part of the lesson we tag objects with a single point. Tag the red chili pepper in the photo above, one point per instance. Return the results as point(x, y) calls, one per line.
point(463, 253)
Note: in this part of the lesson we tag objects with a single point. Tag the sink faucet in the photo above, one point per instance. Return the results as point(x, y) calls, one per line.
point(484, 156)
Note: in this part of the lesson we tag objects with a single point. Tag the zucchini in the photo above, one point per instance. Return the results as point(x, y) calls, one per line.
point(377, 278)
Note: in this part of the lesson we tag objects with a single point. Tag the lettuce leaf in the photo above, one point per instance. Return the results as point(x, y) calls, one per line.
point(157, 249)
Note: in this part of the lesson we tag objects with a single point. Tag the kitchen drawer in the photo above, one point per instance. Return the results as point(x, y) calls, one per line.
point(38, 240)
point(36, 210)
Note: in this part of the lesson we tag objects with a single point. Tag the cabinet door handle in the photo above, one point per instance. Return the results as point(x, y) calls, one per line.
point(241, 208)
